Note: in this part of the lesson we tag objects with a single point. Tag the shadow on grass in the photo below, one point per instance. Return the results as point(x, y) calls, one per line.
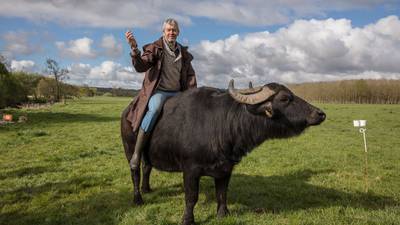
point(291, 192)
point(94, 200)
point(276, 194)
point(161, 195)
point(62, 117)
point(28, 171)
point(83, 200)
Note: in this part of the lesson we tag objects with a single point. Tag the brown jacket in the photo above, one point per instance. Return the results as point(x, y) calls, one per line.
point(151, 62)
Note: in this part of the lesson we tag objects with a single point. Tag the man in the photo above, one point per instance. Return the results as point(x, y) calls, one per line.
point(168, 71)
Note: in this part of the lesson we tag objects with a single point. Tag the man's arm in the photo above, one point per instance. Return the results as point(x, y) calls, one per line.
point(141, 63)
point(191, 78)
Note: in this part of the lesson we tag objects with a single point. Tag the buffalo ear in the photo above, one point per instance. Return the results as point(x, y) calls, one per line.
point(268, 109)
point(261, 109)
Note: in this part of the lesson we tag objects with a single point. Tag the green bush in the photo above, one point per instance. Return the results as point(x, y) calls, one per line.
point(3, 68)
point(3, 73)
point(39, 100)
point(12, 92)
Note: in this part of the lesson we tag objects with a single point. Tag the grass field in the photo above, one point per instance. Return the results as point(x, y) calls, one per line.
point(66, 166)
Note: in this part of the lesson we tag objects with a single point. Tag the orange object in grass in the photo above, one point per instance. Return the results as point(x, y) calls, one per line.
point(7, 117)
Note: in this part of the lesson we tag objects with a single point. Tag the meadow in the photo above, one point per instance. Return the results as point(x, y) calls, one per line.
point(66, 165)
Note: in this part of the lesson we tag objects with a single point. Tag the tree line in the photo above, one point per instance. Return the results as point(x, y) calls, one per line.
point(18, 88)
point(350, 91)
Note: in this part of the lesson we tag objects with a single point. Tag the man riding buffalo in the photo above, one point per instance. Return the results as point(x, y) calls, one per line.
point(168, 71)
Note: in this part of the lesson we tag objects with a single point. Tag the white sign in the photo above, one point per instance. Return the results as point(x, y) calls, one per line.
point(359, 123)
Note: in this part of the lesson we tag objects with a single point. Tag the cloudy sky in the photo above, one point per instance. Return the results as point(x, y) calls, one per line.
point(286, 41)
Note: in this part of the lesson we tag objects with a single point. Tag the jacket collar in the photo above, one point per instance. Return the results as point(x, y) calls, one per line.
point(185, 54)
point(159, 44)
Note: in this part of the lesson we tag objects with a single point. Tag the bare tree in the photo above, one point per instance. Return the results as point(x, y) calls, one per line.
point(58, 73)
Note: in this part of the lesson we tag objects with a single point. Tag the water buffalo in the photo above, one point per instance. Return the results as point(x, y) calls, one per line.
point(206, 131)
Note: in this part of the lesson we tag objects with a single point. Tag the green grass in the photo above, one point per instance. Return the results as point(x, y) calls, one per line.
point(66, 166)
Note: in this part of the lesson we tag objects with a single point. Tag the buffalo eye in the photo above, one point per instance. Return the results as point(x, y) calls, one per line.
point(285, 99)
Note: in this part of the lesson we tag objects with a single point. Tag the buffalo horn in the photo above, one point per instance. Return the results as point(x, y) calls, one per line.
point(250, 96)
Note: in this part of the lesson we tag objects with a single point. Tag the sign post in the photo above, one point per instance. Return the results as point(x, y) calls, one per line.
point(361, 124)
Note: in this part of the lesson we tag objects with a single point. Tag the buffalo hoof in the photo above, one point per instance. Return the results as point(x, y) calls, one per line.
point(137, 200)
point(188, 222)
point(146, 190)
point(222, 212)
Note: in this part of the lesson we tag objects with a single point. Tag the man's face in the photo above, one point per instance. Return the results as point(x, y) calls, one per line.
point(170, 33)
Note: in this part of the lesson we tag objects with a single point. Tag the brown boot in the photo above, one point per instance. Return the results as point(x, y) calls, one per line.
point(141, 141)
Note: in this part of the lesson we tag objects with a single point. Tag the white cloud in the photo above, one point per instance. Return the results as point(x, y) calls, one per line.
point(135, 13)
point(76, 49)
point(307, 50)
point(111, 47)
point(18, 43)
point(23, 65)
point(78, 72)
point(82, 48)
point(107, 74)
point(106, 71)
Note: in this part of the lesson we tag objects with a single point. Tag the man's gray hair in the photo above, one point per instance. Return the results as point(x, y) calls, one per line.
point(172, 22)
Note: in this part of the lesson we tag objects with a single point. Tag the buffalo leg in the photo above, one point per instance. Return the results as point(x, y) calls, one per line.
point(147, 167)
point(221, 189)
point(135, 174)
point(191, 184)
point(137, 197)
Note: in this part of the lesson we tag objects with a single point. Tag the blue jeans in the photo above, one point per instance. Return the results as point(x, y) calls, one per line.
point(154, 106)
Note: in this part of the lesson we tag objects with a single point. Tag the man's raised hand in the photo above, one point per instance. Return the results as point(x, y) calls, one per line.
point(130, 39)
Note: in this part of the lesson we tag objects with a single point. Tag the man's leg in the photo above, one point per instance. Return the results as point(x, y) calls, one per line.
point(155, 105)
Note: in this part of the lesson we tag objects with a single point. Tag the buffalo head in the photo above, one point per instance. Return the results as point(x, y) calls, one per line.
point(279, 104)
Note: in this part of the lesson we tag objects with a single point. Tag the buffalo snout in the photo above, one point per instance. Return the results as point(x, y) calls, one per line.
point(317, 117)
